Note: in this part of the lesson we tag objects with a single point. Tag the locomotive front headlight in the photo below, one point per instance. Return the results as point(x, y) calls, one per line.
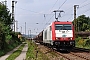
point(71, 38)
point(57, 38)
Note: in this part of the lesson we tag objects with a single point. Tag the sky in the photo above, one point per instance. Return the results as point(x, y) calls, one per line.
point(39, 13)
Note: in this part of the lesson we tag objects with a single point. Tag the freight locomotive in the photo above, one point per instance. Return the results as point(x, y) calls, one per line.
point(58, 34)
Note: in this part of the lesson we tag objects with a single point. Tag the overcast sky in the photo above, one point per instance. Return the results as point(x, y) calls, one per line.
point(41, 12)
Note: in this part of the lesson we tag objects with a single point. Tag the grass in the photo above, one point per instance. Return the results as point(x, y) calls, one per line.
point(16, 53)
point(62, 58)
point(42, 56)
point(33, 52)
point(86, 47)
point(54, 54)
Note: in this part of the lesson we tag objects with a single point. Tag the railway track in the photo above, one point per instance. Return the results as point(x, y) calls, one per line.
point(74, 56)
point(83, 55)
point(78, 54)
point(76, 49)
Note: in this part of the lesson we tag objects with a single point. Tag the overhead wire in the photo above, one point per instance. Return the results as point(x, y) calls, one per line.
point(30, 11)
point(54, 5)
point(79, 7)
point(53, 15)
point(66, 13)
point(84, 6)
point(86, 10)
point(51, 12)
point(62, 4)
point(83, 2)
point(58, 9)
point(52, 8)
point(40, 13)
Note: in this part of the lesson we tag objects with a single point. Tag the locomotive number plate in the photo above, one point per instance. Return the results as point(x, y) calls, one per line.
point(63, 35)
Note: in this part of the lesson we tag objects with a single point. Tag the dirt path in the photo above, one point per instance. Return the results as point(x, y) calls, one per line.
point(9, 53)
point(22, 56)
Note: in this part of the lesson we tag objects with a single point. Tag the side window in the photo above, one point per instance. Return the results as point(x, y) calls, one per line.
point(50, 28)
point(46, 34)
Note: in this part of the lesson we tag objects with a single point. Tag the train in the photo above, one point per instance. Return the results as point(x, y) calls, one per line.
point(58, 34)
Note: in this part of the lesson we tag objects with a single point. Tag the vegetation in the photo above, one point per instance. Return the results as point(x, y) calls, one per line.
point(16, 53)
point(82, 23)
point(82, 43)
point(8, 38)
point(33, 52)
point(42, 56)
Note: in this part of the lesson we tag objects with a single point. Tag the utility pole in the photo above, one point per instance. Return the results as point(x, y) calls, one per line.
point(16, 26)
point(59, 13)
point(75, 21)
point(25, 29)
point(13, 13)
point(30, 34)
point(21, 29)
point(6, 3)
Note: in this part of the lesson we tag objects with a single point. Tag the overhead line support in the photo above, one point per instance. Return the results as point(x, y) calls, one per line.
point(75, 21)
point(13, 17)
point(59, 13)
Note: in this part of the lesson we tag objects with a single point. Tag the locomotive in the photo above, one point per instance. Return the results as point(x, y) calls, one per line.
point(59, 35)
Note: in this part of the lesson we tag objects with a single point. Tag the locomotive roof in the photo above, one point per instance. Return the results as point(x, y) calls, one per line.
point(62, 22)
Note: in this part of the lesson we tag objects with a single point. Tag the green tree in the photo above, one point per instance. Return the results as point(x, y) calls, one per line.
point(5, 15)
point(83, 23)
point(8, 38)
point(2, 38)
point(5, 26)
point(5, 20)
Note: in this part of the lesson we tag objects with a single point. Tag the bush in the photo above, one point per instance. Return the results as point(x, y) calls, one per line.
point(82, 43)
point(87, 42)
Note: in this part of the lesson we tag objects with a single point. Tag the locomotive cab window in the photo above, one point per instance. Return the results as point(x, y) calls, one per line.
point(63, 27)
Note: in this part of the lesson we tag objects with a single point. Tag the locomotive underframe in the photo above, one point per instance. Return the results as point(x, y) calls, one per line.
point(64, 44)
